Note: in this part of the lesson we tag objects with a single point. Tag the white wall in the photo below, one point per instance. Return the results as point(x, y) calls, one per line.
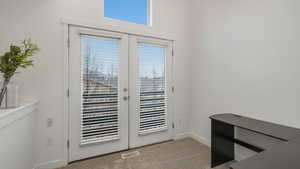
point(17, 140)
point(40, 20)
point(246, 61)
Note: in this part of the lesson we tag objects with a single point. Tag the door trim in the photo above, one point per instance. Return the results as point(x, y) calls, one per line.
point(135, 30)
point(67, 23)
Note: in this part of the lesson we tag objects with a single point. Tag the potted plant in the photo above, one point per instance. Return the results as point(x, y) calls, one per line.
point(16, 57)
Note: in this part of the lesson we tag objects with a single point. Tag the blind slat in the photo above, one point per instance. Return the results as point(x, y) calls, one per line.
point(100, 106)
point(152, 84)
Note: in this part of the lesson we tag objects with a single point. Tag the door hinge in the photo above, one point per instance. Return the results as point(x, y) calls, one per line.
point(68, 42)
point(172, 52)
point(173, 89)
point(173, 125)
point(68, 93)
point(68, 143)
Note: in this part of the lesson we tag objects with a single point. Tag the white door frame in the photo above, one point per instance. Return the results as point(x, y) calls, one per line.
point(66, 25)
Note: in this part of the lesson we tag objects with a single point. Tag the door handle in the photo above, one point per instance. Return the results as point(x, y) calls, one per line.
point(125, 98)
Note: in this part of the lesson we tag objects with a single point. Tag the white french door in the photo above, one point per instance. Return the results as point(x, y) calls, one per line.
point(150, 91)
point(120, 92)
point(98, 75)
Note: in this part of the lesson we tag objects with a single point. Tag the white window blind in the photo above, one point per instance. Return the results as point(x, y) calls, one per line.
point(100, 107)
point(153, 114)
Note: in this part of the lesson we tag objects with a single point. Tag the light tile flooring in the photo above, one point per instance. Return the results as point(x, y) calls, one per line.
point(181, 154)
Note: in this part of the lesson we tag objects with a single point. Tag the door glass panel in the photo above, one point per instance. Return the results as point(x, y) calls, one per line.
point(152, 85)
point(99, 81)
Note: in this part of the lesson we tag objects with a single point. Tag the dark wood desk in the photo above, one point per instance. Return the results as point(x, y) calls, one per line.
point(223, 140)
point(284, 156)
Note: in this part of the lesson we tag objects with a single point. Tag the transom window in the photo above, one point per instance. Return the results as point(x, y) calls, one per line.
point(136, 11)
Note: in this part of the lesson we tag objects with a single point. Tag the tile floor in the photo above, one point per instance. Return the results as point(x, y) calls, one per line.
point(181, 154)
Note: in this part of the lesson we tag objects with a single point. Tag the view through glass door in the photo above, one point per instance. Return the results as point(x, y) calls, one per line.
point(150, 91)
point(114, 92)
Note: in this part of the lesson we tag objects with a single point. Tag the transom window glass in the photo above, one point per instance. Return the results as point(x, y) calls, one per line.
point(136, 11)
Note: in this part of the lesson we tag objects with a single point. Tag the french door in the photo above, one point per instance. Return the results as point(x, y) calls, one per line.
point(150, 91)
point(120, 92)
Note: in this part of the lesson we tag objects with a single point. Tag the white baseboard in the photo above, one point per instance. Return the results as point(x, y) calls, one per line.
point(181, 136)
point(193, 135)
point(199, 138)
point(50, 164)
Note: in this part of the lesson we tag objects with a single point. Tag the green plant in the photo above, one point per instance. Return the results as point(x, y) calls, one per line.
point(16, 57)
